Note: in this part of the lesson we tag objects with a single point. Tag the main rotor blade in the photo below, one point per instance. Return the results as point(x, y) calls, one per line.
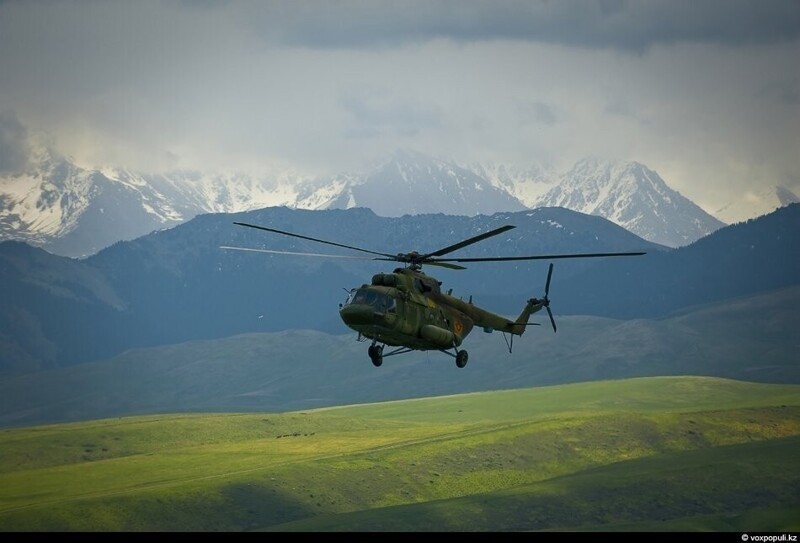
point(466, 242)
point(537, 257)
point(314, 239)
point(444, 265)
point(296, 254)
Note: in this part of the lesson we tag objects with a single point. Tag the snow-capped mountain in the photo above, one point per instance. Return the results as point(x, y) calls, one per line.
point(764, 201)
point(411, 183)
point(526, 184)
point(325, 193)
point(634, 197)
point(72, 211)
point(45, 200)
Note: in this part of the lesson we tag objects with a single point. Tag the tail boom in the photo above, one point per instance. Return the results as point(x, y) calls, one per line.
point(518, 326)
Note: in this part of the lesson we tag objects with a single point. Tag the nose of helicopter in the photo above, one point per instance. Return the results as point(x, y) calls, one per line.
point(356, 314)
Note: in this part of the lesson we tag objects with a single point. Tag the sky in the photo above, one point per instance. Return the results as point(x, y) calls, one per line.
point(705, 92)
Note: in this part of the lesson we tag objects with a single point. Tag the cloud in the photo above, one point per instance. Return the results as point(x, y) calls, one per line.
point(13, 144)
point(705, 92)
point(538, 113)
point(787, 93)
point(634, 25)
point(376, 112)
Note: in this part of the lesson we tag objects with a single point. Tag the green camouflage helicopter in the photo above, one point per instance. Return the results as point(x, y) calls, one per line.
point(407, 310)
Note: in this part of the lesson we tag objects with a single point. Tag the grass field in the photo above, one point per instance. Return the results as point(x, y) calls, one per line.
point(669, 453)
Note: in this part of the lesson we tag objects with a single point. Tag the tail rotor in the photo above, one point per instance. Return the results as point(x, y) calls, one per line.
point(546, 299)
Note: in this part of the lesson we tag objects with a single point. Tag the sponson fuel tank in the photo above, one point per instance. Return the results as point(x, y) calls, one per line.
point(439, 336)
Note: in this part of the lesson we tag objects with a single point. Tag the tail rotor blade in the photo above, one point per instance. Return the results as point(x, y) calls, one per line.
point(547, 284)
point(547, 296)
point(552, 320)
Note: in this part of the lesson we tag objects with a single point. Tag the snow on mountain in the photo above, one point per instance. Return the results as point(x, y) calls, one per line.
point(72, 211)
point(761, 202)
point(328, 193)
point(412, 183)
point(527, 184)
point(44, 202)
point(634, 197)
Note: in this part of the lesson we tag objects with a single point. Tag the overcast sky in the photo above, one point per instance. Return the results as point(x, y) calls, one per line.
point(707, 93)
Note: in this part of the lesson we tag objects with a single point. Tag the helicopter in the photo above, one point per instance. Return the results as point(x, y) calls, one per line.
point(407, 310)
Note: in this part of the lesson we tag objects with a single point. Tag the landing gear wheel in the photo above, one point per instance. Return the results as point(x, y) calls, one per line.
point(461, 358)
point(376, 355)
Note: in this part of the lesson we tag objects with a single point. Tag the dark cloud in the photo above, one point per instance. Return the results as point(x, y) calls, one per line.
point(709, 93)
point(13, 144)
point(538, 113)
point(621, 108)
point(376, 113)
point(632, 25)
point(783, 92)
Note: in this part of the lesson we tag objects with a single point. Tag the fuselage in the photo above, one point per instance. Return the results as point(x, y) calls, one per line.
point(407, 308)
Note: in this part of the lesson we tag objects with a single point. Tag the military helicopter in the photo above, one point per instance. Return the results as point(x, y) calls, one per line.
point(407, 310)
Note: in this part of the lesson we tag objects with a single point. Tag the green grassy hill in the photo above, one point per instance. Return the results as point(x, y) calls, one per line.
point(667, 453)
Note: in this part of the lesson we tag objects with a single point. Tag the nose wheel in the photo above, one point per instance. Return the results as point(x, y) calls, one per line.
point(376, 355)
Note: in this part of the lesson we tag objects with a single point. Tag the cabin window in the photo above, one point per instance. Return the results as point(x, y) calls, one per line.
point(379, 300)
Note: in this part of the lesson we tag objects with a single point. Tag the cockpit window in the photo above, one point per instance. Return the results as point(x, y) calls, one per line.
point(378, 300)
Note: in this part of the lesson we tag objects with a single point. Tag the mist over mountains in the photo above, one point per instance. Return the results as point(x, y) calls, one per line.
point(71, 211)
point(764, 200)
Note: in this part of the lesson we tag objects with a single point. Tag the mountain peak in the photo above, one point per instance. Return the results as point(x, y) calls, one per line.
point(414, 183)
point(633, 196)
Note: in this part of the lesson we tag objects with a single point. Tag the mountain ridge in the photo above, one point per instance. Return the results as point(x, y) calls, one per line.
point(177, 284)
point(75, 212)
point(633, 196)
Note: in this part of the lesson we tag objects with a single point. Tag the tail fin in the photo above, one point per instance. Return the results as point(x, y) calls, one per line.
point(532, 306)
